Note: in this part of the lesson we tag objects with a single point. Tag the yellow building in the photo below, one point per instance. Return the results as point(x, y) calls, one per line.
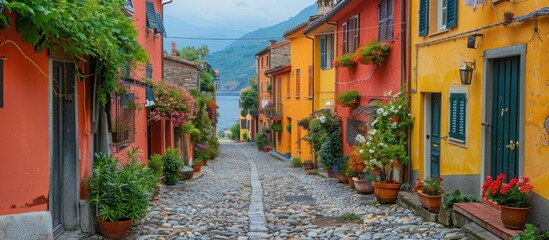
point(299, 101)
point(245, 122)
point(495, 124)
point(280, 76)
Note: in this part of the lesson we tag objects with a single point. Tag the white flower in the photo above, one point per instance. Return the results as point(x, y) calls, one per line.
point(379, 111)
point(360, 151)
point(360, 139)
point(371, 151)
point(374, 122)
point(385, 114)
point(322, 119)
point(394, 124)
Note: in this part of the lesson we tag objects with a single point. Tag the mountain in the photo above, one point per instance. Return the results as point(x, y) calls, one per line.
point(179, 28)
point(236, 62)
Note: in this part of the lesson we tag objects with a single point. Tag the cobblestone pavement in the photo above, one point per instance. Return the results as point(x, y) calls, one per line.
point(294, 206)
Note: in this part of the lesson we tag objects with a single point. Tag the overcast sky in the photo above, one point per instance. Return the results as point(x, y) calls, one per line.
point(246, 15)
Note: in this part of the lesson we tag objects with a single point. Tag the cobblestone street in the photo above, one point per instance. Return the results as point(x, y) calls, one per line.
point(225, 204)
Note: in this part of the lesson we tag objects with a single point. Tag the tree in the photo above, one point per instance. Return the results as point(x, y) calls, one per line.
point(194, 54)
point(249, 101)
point(253, 81)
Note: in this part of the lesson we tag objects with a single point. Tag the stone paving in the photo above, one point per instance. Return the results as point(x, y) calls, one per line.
point(226, 204)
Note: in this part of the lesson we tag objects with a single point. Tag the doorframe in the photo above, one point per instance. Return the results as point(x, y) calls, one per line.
point(487, 74)
point(427, 130)
point(70, 199)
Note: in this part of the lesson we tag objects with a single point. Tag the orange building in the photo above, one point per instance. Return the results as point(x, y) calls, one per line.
point(52, 123)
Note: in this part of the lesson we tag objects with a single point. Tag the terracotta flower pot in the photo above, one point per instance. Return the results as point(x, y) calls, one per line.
point(331, 173)
point(514, 218)
point(342, 178)
point(114, 230)
point(386, 192)
point(196, 167)
point(363, 186)
point(351, 182)
point(432, 203)
point(308, 165)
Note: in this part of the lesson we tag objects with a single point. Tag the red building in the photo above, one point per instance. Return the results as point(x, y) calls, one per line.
point(358, 23)
point(52, 123)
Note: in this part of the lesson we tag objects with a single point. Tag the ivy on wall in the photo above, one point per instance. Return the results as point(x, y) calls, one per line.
point(96, 28)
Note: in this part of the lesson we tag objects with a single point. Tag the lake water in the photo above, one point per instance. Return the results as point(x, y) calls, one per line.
point(228, 112)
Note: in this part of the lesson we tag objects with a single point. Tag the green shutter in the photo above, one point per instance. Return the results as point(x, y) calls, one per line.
point(152, 21)
point(451, 16)
point(323, 52)
point(161, 28)
point(458, 116)
point(423, 17)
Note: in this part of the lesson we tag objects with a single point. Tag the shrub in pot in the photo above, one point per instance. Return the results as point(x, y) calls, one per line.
point(513, 198)
point(348, 98)
point(340, 168)
point(260, 140)
point(121, 192)
point(172, 166)
point(430, 192)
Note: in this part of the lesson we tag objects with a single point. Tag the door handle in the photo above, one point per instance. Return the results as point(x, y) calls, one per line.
point(504, 110)
point(512, 145)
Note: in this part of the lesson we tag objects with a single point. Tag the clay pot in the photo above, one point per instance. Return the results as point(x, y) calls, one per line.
point(196, 167)
point(331, 173)
point(514, 218)
point(351, 182)
point(363, 186)
point(308, 165)
point(342, 178)
point(431, 203)
point(386, 192)
point(114, 230)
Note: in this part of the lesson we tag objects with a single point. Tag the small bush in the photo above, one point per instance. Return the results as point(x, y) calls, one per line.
point(456, 197)
point(352, 218)
point(172, 165)
point(156, 164)
point(296, 162)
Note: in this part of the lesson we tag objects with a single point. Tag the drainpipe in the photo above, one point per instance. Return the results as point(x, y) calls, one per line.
point(162, 45)
point(406, 14)
point(313, 95)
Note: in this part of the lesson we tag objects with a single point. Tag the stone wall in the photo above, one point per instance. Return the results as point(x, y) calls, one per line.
point(280, 56)
point(180, 74)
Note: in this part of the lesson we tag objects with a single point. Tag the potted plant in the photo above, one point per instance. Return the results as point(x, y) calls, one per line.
point(276, 126)
point(348, 98)
point(197, 164)
point(267, 130)
point(357, 169)
point(385, 150)
point(156, 164)
point(508, 17)
point(344, 60)
point(374, 52)
point(308, 164)
point(121, 193)
point(513, 197)
point(172, 166)
point(260, 140)
point(304, 123)
point(430, 193)
point(340, 168)
point(331, 151)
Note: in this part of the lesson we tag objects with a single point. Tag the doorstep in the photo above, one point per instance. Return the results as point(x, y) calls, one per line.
point(198, 175)
point(411, 201)
point(486, 217)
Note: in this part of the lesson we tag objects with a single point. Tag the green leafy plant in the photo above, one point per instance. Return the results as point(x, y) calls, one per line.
point(344, 60)
point(332, 149)
point(245, 136)
point(80, 28)
point(172, 165)
point(276, 126)
point(304, 123)
point(260, 140)
point(120, 191)
point(289, 127)
point(512, 194)
point(348, 98)
point(532, 233)
point(266, 129)
point(352, 218)
point(374, 52)
point(456, 197)
point(156, 164)
point(296, 162)
point(199, 157)
point(431, 187)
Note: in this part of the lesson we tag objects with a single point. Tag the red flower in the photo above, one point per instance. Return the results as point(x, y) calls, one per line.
point(513, 182)
point(504, 188)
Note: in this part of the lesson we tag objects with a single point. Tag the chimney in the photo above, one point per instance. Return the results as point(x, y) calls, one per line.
point(174, 49)
point(324, 6)
point(272, 41)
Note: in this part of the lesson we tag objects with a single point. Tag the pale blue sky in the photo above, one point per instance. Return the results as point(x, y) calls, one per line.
point(245, 15)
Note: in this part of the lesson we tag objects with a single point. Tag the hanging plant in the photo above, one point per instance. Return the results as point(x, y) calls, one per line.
point(276, 126)
point(344, 60)
point(289, 127)
point(173, 103)
point(373, 53)
point(348, 98)
point(304, 123)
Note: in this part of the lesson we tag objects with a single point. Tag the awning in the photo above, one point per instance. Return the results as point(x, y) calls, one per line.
point(364, 111)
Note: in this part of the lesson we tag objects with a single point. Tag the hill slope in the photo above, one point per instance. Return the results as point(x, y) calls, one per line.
point(236, 62)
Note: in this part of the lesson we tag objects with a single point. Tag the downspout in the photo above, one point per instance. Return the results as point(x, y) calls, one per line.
point(313, 95)
point(405, 28)
point(162, 45)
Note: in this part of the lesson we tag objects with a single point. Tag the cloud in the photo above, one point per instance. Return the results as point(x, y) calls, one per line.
point(241, 4)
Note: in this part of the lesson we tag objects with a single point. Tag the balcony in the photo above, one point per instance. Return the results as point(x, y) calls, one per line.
point(273, 113)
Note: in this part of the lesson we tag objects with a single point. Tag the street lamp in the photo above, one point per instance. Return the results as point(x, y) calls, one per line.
point(329, 105)
point(215, 79)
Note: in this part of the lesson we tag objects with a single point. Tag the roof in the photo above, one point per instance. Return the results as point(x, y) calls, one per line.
point(266, 49)
point(183, 61)
point(296, 28)
point(278, 70)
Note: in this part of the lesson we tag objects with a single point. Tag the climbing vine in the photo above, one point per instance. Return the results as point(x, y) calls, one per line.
point(96, 28)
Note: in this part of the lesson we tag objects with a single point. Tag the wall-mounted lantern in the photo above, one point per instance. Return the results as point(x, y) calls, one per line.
point(472, 40)
point(466, 72)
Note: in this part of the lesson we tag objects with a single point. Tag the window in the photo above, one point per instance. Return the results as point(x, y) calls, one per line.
point(243, 124)
point(351, 34)
point(354, 127)
point(128, 8)
point(288, 88)
point(262, 65)
point(443, 16)
point(458, 116)
point(297, 82)
point(311, 82)
point(326, 51)
point(149, 71)
point(268, 61)
point(386, 27)
point(123, 108)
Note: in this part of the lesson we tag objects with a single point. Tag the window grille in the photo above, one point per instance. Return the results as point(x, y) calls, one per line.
point(123, 108)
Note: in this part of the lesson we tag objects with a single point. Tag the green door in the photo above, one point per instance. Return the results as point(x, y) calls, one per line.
point(435, 134)
point(505, 117)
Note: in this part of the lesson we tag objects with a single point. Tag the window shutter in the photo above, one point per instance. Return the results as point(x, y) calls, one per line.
point(423, 17)
point(129, 6)
point(161, 28)
point(323, 52)
point(330, 50)
point(451, 15)
point(382, 28)
point(288, 86)
point(389, 23)
point(297, 82)
point(149, 71)
point(458, 116)
point(152, 21)
point(345, 39)
point(311, 81)
point(356, 36)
